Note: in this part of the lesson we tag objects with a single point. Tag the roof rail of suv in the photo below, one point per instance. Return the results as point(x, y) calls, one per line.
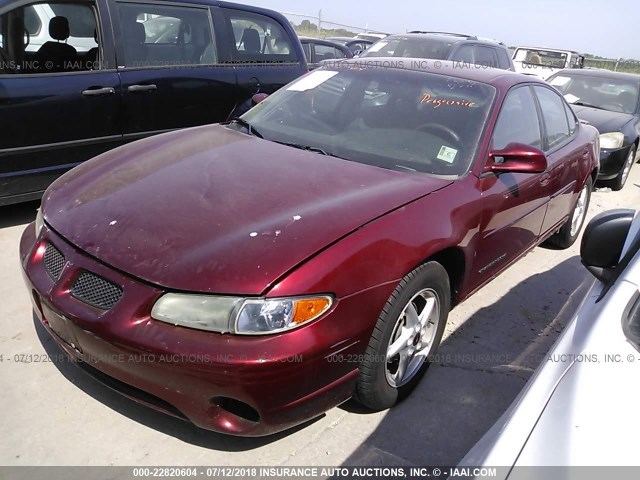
point(486, 39)
point(468, 37)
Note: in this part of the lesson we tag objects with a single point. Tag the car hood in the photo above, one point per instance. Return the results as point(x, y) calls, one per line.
point(604, 120)
point(540, 71)
point(210, 209)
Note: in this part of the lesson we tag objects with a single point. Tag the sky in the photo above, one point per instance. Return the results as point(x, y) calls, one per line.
point(604, 28)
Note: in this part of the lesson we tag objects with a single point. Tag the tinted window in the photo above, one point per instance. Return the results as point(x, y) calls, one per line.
point(81, 18)
point(486, 56)
point(354, 47)
point(306, 48)
point(413, 47)
point(571, 117)
point(161, 35)
point(464, 54)
point(258, 38)
point(606, 93)
point(32, 22)
point(554, 115)
point(160, 29)
point(503, 59)
point(518, 121)
point(401, 120)
point(38, 52)
point(325, 52)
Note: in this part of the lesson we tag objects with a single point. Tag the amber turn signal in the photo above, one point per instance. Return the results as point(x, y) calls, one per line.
point(308, 308)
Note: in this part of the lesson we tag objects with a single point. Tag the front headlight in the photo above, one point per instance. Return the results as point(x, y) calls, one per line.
point(39, 222)
point(239, 315)
point(611, 140)
point(204, 312)
point(276, 315)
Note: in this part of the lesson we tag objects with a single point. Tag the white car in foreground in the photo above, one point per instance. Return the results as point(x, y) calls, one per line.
point(580, 408)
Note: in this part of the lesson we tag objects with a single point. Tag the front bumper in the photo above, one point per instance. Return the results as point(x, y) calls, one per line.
point(612, 161)
point(238, 385)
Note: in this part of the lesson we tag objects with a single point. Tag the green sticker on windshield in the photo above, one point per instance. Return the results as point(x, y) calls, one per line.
point(447, 154)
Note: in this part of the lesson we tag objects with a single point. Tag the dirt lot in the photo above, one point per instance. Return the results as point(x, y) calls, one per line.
point(53, 414)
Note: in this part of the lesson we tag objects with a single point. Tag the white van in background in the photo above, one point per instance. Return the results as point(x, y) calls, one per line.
point(544, 62)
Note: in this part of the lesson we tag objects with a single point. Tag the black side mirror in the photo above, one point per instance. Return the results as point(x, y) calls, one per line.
point(603, 241)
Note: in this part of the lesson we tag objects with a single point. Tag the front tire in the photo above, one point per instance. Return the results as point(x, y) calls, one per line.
point(569, 232)
point(407, 333)
point(618, 182)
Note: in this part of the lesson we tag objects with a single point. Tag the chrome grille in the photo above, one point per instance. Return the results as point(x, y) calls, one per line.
point(96, 291)
point(53, 261)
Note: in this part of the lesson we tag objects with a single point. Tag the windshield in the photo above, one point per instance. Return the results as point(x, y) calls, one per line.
point(395, 119)
point(410, 47)
point(541, 57)
point(606, 93)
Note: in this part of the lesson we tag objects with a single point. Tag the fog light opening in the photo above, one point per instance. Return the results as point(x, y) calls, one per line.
point(237, 408)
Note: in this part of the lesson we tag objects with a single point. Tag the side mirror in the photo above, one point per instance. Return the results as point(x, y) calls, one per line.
point(517, 158)
point(603, 240)
point(258, 97)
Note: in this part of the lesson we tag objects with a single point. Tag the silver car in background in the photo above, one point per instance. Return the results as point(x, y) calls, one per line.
point(580, 408)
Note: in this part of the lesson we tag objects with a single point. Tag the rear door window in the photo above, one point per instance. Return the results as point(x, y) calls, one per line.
point(503, 59)
point(81, 19)
point(32, 23)
point(165, 35)
point(463, 54)
point(555, 117)
point(326, 52)
point(258, 38)
point(485, 56)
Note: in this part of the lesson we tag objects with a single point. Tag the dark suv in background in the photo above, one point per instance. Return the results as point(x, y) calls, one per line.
point(465, 49)
point(101, 73)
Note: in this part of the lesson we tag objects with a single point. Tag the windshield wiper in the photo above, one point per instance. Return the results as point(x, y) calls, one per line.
point(248, 126)
point(305, 147)
point(583, 104)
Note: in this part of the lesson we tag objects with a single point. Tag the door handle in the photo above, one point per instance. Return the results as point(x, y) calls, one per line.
point(545, 179)
point(141, 88)
point(96, 92)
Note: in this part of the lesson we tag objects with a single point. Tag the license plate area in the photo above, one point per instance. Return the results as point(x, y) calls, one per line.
point(60, 325)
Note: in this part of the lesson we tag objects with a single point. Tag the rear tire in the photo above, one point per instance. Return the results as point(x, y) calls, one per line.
point(407, 333)
point(569, 232)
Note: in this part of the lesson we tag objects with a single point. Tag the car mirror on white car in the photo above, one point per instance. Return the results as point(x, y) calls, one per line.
point(631, 324)
point(603, 242)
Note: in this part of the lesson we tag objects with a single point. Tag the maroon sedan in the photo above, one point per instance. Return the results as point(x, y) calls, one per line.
point(249, 276)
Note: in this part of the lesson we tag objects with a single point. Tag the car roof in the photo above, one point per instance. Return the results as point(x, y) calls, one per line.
point(324, 41)
point(217, 3)
point(502, 79)
point(602, 73)
point(451, 37)
point(350, 40)
point(559, 50)
point(318, 40)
